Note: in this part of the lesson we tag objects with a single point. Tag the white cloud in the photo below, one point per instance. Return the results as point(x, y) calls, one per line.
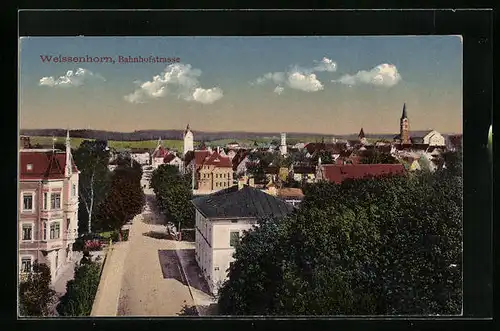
point(325, 64)
point(304, 82)
point(71, 78)
point(382, 75)
point(178, 79)
point(207, 96)
point(299, 78)
point(278, 90)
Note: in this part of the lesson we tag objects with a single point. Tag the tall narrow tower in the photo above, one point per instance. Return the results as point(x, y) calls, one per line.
point(283, 144)
point(404, 127)
point(188, 140)
point(68, 169)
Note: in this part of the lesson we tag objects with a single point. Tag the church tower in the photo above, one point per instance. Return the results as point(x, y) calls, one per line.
point(404, 127)
point(361, 137)
point(188, 140)
point(283, 150)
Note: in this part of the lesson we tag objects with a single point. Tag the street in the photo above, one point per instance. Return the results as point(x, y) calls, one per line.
point(152, 283)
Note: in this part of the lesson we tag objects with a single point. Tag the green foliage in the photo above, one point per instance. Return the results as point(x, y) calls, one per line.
point(173, 195)
point(124, 200)
point(35, 294)
point(377, 157)
point(92, 159)
point(390, 245)
point(81, 291)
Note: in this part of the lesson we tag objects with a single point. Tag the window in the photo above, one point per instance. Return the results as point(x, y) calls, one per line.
point(73, 190)
point(44, 234)
point(234, 237)
point(45, 200)
point(54, 230)
point(27, 231)
point(68, 220)
point(29, 167)
point(55, 201)
point(28, 201)
point(57, 259)
point(216, 268)
point(26, 264)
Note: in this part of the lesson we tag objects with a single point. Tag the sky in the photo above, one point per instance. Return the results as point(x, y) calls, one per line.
point(328, 85)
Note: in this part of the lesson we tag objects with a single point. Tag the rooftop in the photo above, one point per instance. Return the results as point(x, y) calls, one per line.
point(247, 202)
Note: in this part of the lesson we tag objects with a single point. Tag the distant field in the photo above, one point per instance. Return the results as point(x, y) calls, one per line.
point(75, 143)
point(178, 144)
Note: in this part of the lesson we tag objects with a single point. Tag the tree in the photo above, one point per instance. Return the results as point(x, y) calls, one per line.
point(92, 159)
point(80, 291)
point(389, 245)
point(377, 157)
point(173, 195)
point(35, 295)
point(124, 200)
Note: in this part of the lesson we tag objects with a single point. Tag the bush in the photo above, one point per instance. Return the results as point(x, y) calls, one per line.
point(125, 235)
point(115, 236)
point(81, 291)
point(78, 245)
point(35, 294)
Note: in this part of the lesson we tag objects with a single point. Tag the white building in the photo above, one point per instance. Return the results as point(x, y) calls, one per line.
point(141, 157)
point(220, 222)
point(174, 160)
point(428, 137)
point(188, 140)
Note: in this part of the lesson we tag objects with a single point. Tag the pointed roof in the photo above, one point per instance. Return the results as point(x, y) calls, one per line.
point(188, 129)
point(43, 165)
point(361, 134)
point(404, 115)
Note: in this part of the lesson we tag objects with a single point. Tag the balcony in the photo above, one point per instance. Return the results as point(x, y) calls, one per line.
point(57, 213)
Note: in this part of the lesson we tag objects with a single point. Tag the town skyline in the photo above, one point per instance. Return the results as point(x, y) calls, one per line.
point(306, 85)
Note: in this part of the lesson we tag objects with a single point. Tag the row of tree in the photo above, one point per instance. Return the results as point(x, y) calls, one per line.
point(108, 199)
point(389, 245)
point(173, 195)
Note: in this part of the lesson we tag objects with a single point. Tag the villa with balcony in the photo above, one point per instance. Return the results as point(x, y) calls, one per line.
point(48, 208)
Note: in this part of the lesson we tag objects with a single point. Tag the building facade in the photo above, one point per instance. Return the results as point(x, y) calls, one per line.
point(188, 140)
point(48, 208)
point(221, 221)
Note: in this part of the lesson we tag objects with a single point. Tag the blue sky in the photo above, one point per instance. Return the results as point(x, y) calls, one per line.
point(313, 84)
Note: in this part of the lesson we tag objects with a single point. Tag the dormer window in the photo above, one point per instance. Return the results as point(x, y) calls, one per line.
point(29, 167)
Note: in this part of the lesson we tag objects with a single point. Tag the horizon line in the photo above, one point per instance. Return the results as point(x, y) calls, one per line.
point(236, 131)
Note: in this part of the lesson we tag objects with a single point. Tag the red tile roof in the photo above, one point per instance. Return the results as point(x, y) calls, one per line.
point(337, 173)
point(200, 156)
point(160, 152)
point(218, 160)
point(45, 165)
point(169, 158)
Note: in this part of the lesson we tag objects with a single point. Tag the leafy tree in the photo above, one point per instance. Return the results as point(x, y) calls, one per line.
point(173, 195)
point(35, 295)
point(326, 157)
point(377, 157)
point(92, 159)
point(124, 200)
point(81, 291)
point(389, 245)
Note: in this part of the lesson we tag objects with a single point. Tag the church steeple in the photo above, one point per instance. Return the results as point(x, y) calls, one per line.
point(404, 115)
point(361, 134)
point(404, 127)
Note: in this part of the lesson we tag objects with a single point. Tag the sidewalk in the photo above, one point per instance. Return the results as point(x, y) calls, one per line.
point(205, 302)
point(108, 292)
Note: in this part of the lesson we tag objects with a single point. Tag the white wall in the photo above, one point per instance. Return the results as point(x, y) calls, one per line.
point(434, 138)
point(213, 250)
